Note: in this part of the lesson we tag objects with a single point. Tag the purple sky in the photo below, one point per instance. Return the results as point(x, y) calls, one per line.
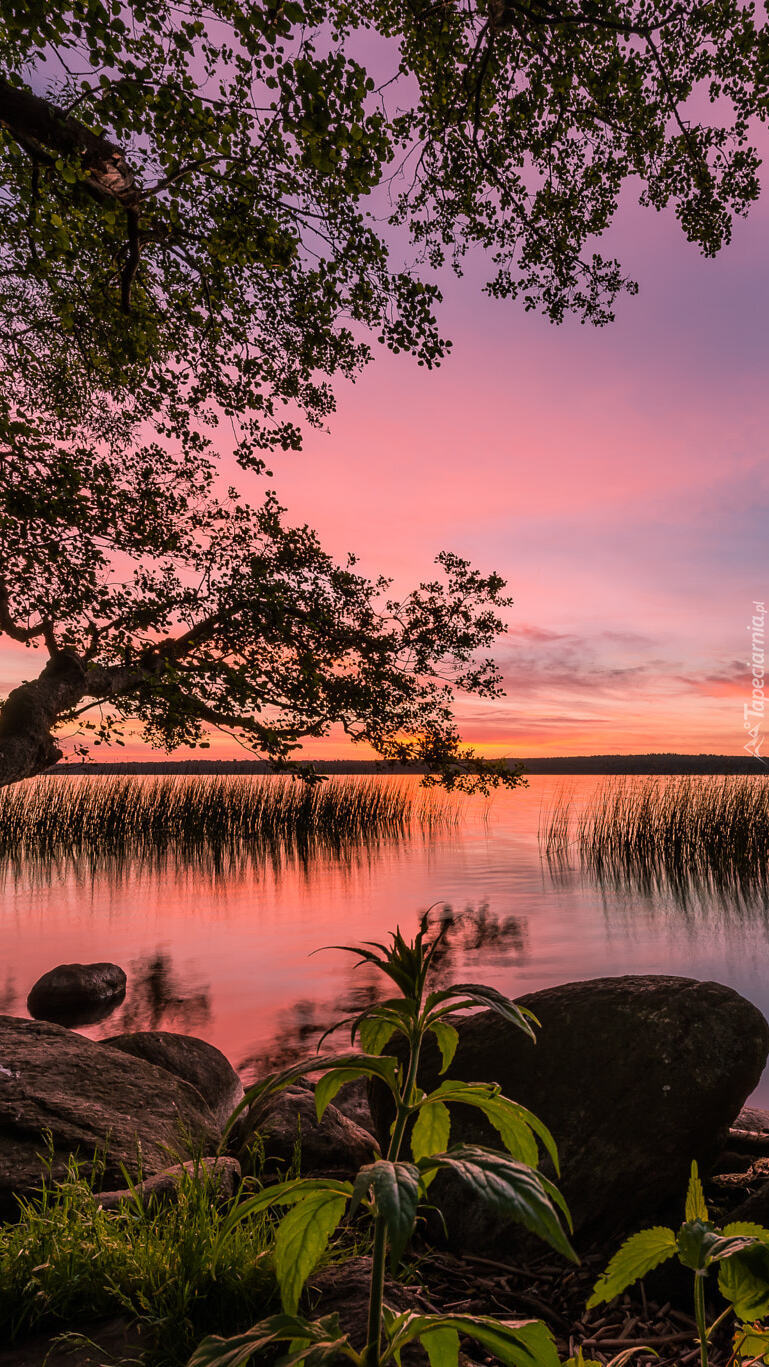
point(617, 478)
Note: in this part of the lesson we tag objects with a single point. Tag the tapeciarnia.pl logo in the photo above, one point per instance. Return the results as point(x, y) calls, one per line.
point(754, 711)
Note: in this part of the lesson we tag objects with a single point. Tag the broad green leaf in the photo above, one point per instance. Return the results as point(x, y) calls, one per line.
point(515, 1343)
point(441, 1346)
point(348, 1069)
point(374, 1032)
point(743, 1280)
point(301, 1239)
point(510, 1119)
point(637, 1256)
point(396, 1194)
point(448, 1039)
point(751, 1344)
point(748, 1229)
point(255, 1099)
point(513, 1189)
point(279, 1194)
point(234, 1352)
point(431, 1130)
point(477, 994)
point(328, 1086)
point(696, 1209)
point(699, 1245)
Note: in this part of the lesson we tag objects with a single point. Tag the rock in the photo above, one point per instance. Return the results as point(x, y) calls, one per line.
point(751, 1129)
point(755, 1207)
point(335, 1147)
point(194, 1060)
point(77, 994)
point(352, 1100)
point(85, 1097)
point(88, 1345)
point(223, 1174)
point(635, 1077)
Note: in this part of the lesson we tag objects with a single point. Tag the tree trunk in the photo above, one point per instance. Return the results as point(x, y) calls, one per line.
point(30, 713)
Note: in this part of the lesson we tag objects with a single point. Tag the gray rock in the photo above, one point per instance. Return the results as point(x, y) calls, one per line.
point(194, 1060)
point(635, 1077)
point(335, 1147)
point(77, 994)
point(61, 1089)
point(222, 1174)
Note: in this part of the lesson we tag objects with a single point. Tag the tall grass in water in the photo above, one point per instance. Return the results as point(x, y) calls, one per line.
point(704, 834)
point(214, 820)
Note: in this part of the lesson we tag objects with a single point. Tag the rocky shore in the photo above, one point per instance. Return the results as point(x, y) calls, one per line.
point(635, 1077)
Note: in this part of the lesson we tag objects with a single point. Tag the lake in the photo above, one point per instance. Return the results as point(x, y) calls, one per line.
point(226, 953)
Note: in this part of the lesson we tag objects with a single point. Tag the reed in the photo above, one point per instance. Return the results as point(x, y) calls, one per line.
point(222, 819)
point(684, 831)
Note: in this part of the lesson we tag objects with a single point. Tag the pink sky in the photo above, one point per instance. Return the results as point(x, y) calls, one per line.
point(617, 478)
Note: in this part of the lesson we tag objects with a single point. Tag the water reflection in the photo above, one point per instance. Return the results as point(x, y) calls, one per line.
point(466, 938)
point(158, 997)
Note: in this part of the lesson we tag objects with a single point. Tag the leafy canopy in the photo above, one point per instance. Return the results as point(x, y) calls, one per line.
point(208, 211)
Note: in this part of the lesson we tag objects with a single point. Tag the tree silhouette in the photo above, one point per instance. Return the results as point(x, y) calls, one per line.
point(201, 205)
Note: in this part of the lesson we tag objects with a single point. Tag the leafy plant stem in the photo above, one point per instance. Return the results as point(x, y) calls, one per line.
point(379, 1252)
point(699, 1315)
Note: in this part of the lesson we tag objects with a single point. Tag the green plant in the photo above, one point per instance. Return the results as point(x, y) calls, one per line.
point(66, 1261)
point(391, 1188)
point(740, 1252)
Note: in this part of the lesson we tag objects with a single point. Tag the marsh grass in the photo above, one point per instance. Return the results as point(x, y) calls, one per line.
point(66, 1263)
point(704, 834)
point(213, 820)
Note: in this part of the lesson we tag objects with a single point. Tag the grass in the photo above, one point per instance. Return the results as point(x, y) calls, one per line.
point(216, 819)
point(67, 1263)
point(708, 832)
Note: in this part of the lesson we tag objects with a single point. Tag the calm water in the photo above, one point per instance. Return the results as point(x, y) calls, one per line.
point(227, 955)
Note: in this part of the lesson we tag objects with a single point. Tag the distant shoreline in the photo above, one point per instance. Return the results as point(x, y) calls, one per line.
point(663, 764)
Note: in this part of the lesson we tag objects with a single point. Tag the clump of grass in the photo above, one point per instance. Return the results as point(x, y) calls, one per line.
point(67, 1263)
point(218, 819)
point(708, 833)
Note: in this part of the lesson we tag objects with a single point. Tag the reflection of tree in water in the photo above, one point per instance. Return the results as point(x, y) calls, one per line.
point(8, 993)
point(468, 937)
point(157, 996)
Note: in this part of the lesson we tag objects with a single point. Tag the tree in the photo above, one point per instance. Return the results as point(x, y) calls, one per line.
point(191, 241)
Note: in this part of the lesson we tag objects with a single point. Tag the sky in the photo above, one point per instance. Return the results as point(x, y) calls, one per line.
point(616, 477)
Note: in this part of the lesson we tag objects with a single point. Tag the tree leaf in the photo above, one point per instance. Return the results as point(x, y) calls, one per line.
point(513, 1189)
point(696, 1209)
point(637, 1256)
point(448, 1039)
point(301, 1239)
point(515, 1343)
point(431, 1130)
point(396, 1194)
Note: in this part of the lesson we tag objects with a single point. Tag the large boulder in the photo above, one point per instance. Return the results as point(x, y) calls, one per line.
point(61, 1090)
point(194, 1060)
point(77, 994)
point(635, 1077)
point(332, 1147)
